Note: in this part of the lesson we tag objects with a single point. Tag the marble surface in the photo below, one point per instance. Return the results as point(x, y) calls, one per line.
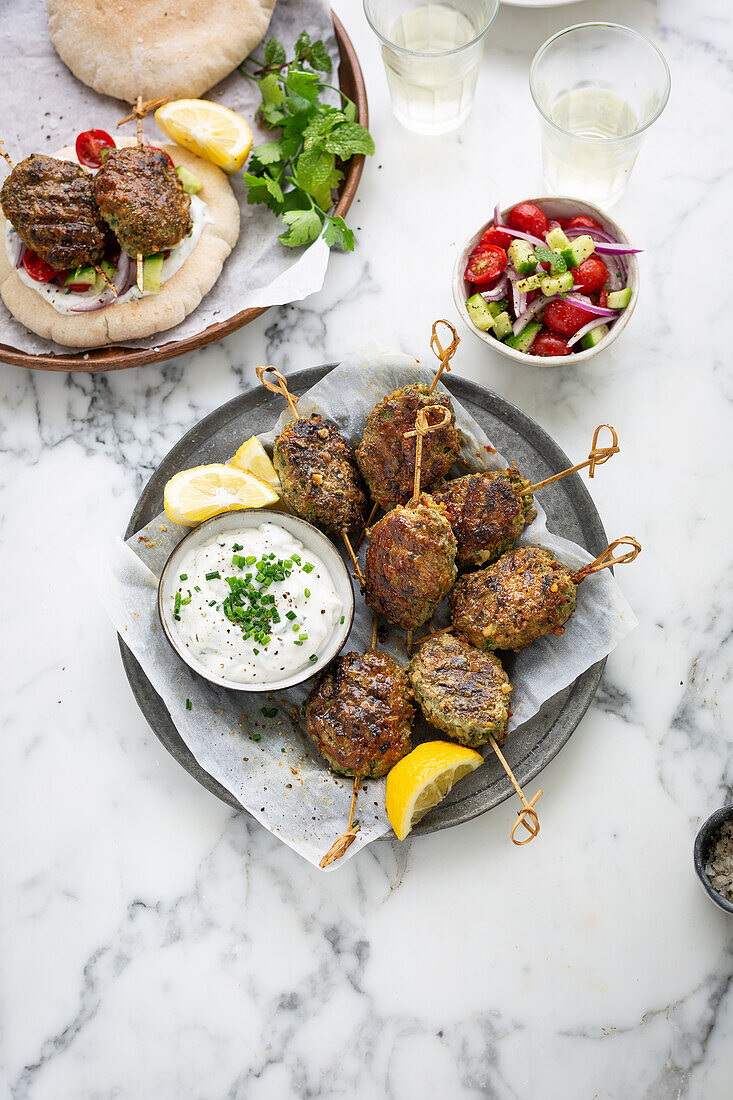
point(156, 945)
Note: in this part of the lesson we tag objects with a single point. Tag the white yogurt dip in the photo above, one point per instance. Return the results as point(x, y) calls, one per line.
point(249, 630)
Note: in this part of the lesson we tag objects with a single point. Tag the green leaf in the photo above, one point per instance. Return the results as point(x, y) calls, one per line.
point(274, 52)
point(264, 189)
point(349, 138)
point(272, 99)
point(302, 84)
point(303, 45)
point(317, 174)
point(304, 226)
point(349, 110)
point(269, 153)
point(320, 125)
point(319, 58)
point(555, 260)
point(338, 232)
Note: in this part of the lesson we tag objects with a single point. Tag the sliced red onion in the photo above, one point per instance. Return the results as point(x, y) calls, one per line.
point(496, 293)
point(123, 279)
point(616, 272)
point(21, 254)
point(585, 303)
point(574, 231)
point(497, 216)
point(519, 301)
point(596, 323)
point(617, 250)
point(523, 320)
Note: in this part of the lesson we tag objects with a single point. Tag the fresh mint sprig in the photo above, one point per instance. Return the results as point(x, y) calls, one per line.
point(295, 174)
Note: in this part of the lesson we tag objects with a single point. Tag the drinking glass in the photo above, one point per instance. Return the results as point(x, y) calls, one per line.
point(431, 54)
point(598, 88)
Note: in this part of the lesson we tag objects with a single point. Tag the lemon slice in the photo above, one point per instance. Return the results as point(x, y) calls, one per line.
point(422, 779)
point(208, 130)
point(195, 495)
point(252, 456)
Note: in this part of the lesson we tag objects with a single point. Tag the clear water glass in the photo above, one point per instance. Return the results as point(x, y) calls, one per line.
point(431, 54)
point(598, 88)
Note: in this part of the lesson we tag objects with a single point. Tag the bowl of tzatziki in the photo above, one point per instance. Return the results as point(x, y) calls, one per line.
point(256, 600)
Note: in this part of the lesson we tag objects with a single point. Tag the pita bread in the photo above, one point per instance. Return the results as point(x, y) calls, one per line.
point(178, 297)
point(174, 48)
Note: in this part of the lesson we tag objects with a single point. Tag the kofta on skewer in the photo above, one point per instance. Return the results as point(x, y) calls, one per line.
point(488, 511)
point(410, 561)
point(386, 454)
point(524, 596)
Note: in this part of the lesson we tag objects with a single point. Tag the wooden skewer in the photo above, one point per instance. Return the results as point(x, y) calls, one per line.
point(352, 555)
point(528, 811)
point(106, 278)
point(6, 156)
point(370, 517)
point(139, 111)
point(444, 354)
point(597, 456)
point(280, 387)
point(343, 842)
point(607, 559)
point(421, 429)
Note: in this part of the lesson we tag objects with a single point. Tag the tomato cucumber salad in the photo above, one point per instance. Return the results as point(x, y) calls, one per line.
point(547, 286)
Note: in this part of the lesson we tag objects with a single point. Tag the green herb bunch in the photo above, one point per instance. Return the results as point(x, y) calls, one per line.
point(296, 173)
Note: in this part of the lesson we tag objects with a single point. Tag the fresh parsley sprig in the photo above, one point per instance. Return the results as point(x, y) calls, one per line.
point(295, 174)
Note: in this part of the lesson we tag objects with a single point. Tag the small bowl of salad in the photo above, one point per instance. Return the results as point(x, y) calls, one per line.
point(550, 279)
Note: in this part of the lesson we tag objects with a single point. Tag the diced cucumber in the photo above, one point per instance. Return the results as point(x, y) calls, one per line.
point(578, 251)
point(521, 256)
point(619, 299)
point(191, 184)
point(479, 312)
point(502, 326)
point(556, 284)
point(153, 271)
point(524, 341)
point(83, 274)
point(495, 308)
point(594, 337)
point(532, 282)
point(557, 239)
point(108, 268)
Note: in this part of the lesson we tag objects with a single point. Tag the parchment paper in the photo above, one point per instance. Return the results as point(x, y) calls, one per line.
point(280, 779)
point(46, 113)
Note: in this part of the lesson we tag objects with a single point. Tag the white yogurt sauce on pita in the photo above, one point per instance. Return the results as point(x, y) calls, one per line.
point(63, 301)
point(291, 610)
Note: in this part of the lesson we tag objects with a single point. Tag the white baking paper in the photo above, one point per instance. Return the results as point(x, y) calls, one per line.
point(43, 115)
point(279, 779)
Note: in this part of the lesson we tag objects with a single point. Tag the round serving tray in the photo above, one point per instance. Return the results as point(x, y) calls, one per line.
point(570, 512)
point(351, 83)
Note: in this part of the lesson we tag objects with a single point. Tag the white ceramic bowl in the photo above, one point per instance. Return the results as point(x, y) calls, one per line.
point(229, 523)
point(553, 208)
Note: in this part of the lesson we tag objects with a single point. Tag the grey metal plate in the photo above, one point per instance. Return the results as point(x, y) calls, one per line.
point(570, 512)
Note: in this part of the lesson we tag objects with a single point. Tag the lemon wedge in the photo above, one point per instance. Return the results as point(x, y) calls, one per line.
point(252, 456)
point(208, 130)
point(205, 491)
point(422, 779)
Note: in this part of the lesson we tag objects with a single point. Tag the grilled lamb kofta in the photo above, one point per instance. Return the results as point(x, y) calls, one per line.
point(359, 714)
point(386, 455)
point(142, 199)
point(461, 690)
point(319, 479)
point(50, 204)
point(410, 562)
point(521, 597)
point(487, 512)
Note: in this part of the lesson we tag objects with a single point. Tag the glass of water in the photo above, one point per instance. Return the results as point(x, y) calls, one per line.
point(431, 53)
point(598, 88)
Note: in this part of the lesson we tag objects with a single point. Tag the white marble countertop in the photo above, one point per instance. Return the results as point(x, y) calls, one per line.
point(157, 945)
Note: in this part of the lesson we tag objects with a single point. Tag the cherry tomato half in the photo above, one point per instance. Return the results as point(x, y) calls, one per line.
point(37, 268)
point(485, 264)
point(590, 276)
point(583, 221)
point(89, 146)
point(495, 236)
point(167, 155)
point(528, 218)
point(565, 318)
point(602, 299)
point(547, 343)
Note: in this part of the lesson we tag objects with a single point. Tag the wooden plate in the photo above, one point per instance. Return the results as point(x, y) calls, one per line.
point(351, 83)
point(570, 512)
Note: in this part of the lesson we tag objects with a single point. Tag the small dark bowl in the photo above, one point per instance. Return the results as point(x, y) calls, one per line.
point(703, 845)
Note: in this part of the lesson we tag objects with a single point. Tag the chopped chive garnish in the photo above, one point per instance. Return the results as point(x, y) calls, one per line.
point(296, 627)
point(255, 651)
point(211, 603)
point(308, 567)
point(188, 704)
point(343, 620)
point(236, 546)
point(256, 737)
point(196, 588)
point(251, 559)
point(299, 641)
point(290, 615)
point(216, 575)
point(183, 577)
point(307, 593)
point(177, 603)
point(269, 712)
point(313, 657)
